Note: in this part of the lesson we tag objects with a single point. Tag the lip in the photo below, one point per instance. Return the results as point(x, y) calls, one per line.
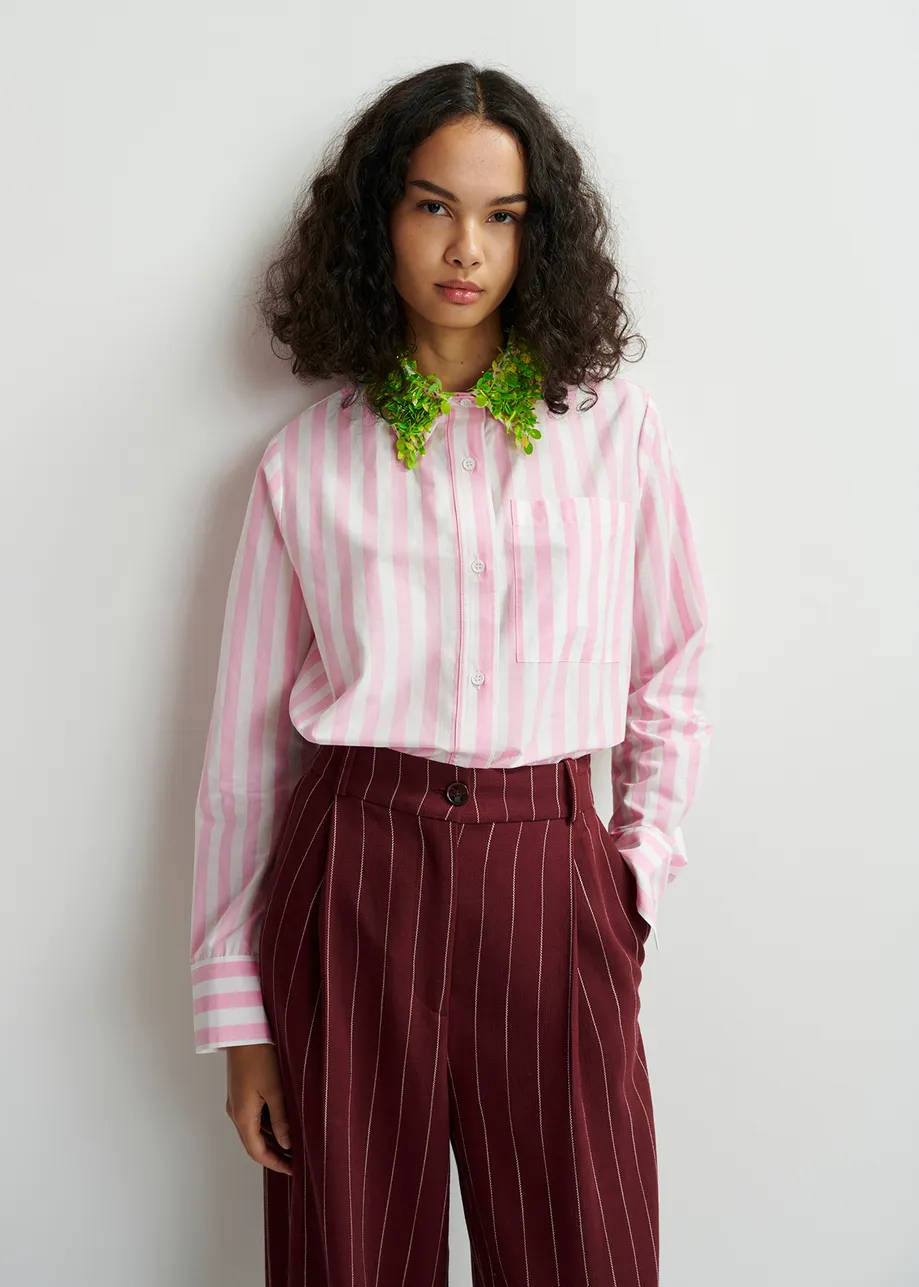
point(465, 293)
point(456, 284)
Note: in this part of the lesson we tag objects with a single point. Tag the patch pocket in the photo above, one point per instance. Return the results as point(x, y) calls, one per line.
point(573, 572)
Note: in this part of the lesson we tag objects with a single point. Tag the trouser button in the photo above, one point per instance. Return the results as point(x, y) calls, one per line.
point(457, 793)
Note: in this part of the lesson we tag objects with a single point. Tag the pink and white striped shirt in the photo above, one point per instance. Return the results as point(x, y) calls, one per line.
point(486, 608)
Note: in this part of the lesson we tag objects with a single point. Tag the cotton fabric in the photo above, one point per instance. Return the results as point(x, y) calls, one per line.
point(467, 974)
point(487, 609)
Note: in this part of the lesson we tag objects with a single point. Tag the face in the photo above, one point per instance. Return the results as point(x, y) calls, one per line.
point(458, 220)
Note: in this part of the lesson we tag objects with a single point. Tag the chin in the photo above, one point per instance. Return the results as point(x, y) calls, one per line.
point(460, 318)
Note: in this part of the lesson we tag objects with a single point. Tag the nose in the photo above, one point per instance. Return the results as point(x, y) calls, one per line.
point(465, 249)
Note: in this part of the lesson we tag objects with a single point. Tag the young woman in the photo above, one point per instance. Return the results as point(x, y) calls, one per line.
point(456, 579)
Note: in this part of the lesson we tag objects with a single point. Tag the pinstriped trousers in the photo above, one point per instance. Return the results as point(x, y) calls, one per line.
point(452, 956)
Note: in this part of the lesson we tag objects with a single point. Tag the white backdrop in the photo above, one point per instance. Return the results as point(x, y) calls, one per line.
point(761, 163)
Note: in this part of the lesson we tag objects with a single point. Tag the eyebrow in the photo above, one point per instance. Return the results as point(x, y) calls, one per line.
point(514, 198)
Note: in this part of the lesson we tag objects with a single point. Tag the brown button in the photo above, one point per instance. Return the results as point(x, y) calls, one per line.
point(457, 793)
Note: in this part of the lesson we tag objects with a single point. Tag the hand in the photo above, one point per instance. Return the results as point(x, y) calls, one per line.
point(254, 1084)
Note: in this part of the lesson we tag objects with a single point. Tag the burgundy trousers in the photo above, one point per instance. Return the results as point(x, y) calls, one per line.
point(452, 956)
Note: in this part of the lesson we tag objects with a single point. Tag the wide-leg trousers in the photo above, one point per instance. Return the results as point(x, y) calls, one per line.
point(452, 956)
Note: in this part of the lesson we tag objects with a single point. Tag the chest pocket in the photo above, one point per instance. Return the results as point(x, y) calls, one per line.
point(573, 574)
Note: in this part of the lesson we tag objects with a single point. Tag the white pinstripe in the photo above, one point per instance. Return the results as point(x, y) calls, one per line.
point(307, 919)
point(590, 818)
point(283, 1015)
point(278, 867)
point(595, 821)
point(541, 1115)
point(304, 1161)
point(439, 1025)
point(482, 1241)
point(357, 966)
point(376, 1068)
point(408, 1037)
point(590, 1152)
point(507, 1066)
point(440, 1240)
point(460, 1135)
point(436, 1063)
point(572, 942)
point(330, 955)
point(625, 1096)
point(478, 1084)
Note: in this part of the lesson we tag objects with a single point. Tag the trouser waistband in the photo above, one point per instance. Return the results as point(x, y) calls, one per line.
point(415, 784)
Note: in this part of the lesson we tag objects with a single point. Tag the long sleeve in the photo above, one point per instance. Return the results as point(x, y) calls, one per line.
point(252, 761)
point(657, 766)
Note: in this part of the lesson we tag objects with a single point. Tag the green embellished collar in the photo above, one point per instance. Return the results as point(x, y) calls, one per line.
point(510, 388)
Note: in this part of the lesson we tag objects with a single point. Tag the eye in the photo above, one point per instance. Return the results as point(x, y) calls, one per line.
point(422, 204)
point(510, 216)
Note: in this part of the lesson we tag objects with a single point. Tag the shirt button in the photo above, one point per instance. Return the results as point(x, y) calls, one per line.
point(478, 678)
point(469, 463)
point(478, 565)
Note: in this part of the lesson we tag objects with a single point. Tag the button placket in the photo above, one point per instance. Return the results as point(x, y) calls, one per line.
point(473, 511)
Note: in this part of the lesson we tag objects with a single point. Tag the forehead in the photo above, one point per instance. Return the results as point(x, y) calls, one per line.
point(475, 160)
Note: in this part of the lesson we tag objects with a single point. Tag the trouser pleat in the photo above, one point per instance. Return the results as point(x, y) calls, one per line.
point(468, 976)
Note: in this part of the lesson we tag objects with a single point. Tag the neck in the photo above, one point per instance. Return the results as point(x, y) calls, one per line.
point(456, 356)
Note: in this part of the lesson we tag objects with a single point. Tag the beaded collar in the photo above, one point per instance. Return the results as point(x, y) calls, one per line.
point(509, 388)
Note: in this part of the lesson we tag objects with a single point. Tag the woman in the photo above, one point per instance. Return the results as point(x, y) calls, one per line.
point(455, 581)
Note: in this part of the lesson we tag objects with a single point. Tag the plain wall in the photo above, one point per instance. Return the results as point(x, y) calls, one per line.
point(761, 165)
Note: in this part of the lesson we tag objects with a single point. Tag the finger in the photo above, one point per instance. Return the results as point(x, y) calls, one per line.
point(258, 1148)
point(248, 1122)
point(277, 1118)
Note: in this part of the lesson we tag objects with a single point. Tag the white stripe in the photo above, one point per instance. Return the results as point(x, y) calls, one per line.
point(406, 683)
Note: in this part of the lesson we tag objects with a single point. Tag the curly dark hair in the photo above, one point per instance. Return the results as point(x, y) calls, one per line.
point(329, 294)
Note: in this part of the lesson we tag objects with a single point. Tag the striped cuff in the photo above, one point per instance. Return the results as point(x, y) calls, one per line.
point(227, 1000)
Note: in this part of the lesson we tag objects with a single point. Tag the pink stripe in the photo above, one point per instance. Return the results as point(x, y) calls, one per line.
point(437, 620)
point(216, 968)
point(235, 1000)
point(226, 705)
point(404, 681)
point(345, 503)
point(455, 639)
point(584, 479)
point(321, 562)
point(355, 615)
point(233, 1033)
point(480, 592)
point(367, 522)
point(261, 717)
point(228, 769)
point(510, 721)
point(545, 591)
point(205, 826)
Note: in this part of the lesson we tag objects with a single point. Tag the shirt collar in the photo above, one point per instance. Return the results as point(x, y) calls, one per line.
point(510, 389)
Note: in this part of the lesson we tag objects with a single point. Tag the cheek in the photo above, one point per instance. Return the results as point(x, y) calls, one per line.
point(409, 246)
point(512, 256)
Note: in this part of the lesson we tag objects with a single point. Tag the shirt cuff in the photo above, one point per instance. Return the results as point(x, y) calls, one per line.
point(228, 1006)
point(655, 859)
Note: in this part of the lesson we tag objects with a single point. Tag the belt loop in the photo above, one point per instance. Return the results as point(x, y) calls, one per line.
point(572, 780)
